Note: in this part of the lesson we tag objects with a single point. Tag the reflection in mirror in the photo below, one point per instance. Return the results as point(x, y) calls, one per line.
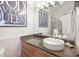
point(43, 18)
point(56, 26)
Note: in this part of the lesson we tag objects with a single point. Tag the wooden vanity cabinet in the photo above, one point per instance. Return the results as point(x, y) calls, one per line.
point(32, 51)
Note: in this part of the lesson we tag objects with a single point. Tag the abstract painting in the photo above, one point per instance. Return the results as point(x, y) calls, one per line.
point(13, 13)
point(43, 19)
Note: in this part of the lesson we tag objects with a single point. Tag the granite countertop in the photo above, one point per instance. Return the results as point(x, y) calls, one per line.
point(37, 41)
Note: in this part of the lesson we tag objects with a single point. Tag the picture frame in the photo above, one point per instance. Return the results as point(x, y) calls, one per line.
point(13, 13)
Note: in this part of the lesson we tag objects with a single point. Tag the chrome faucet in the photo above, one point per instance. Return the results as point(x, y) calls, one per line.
point(52, 35)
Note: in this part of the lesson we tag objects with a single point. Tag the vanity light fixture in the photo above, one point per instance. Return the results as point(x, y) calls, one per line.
point(49, 4)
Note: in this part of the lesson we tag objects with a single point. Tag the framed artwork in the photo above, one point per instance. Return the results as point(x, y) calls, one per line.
point(43, 19)
point(13, 13)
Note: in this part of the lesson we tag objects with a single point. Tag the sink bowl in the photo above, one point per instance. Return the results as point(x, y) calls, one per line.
point(53, 44)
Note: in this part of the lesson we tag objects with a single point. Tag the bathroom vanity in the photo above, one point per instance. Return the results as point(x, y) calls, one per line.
point(32, 46)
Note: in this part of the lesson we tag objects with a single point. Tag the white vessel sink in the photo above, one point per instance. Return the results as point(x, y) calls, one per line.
point(53, 44)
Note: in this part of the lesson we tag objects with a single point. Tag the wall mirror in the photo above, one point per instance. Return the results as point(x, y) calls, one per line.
point(59, 20)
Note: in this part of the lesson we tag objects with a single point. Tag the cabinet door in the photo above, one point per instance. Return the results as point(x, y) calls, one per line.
point(27, 49)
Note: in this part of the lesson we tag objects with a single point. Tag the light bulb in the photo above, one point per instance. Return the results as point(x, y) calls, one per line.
point(52, 3)
point(47, 5)
point(41, 7)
